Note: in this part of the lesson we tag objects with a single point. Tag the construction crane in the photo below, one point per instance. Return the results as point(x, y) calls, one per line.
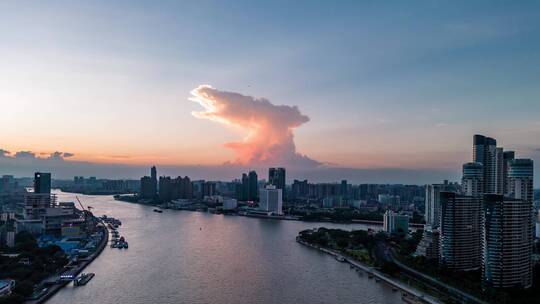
point(84, 211)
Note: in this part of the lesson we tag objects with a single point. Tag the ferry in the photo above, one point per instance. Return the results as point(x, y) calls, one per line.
point(83, 279)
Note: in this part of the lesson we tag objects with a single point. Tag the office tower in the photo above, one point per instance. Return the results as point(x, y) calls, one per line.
point(271, 200)
point(276, 177)
point(506, 242)
point(460, 231)
point(472, 181)
point(508, 156)
point(394, 222)
point(484, 152)
point(433, 205)
point(253, 190)
point(42, 183)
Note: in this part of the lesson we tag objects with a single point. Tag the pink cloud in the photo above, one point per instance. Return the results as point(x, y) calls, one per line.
point(269, 127)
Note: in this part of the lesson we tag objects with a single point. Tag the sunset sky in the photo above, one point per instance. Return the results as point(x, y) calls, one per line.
point(376, 85)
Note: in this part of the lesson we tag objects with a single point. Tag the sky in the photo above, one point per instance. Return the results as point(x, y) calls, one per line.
point(368, 90)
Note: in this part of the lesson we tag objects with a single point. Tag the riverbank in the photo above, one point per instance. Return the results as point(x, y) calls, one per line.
point(421, 296)
point(80, 267)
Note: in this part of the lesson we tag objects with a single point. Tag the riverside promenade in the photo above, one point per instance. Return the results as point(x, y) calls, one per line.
point(56, 287)
point(421, 296)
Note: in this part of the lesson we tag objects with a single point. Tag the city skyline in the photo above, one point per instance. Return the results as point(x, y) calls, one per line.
point(112, 97)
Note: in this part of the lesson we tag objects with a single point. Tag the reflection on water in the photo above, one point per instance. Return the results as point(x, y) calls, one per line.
point(193, 257)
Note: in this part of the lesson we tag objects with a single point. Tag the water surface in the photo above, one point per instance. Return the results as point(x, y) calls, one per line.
point(195, 257)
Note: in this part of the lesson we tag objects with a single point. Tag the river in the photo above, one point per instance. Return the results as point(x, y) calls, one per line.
point(196, 257)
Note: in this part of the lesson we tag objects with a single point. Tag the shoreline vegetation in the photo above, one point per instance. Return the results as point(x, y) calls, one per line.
point(394, 256)
point(340, 216)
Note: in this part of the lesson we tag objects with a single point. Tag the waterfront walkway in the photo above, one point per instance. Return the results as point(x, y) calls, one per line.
point(424, 297)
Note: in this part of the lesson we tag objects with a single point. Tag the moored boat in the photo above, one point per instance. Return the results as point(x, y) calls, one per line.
point(83, 279)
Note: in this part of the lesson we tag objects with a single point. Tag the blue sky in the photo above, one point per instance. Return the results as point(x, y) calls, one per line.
point(389, 84)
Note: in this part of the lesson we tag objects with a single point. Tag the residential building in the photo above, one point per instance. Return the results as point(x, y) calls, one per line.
point(472, 182)
point(271, 200)
point(484, 152)
point(507, 243)
point(460, 231)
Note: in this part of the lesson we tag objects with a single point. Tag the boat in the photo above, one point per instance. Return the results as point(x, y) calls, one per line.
point(340, 258)
point(158, 210)
point(407, 298)
point(83, 279)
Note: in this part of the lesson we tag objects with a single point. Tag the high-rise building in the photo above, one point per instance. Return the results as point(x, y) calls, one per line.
point(460, 231)
point(484, 152)
point(165, 188)
point(208, 189)
point(42, 183)
point(472, 182)
point(149, 185)
point(300, 189)
point(248, 189)
point(508, 156)
point(177, 188)
point(253, 192)
point(276, 177)
point(433, 205)
point(271, 200)
point(499, 171)
point(507, 242)
point(520, 179)
point(153, 180)
point(344, 189)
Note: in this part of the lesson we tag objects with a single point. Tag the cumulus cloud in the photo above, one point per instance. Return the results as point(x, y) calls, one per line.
point(269, 127)
point(60, 155)
point(25, 154)
point(29, 155)
point(4, 153)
